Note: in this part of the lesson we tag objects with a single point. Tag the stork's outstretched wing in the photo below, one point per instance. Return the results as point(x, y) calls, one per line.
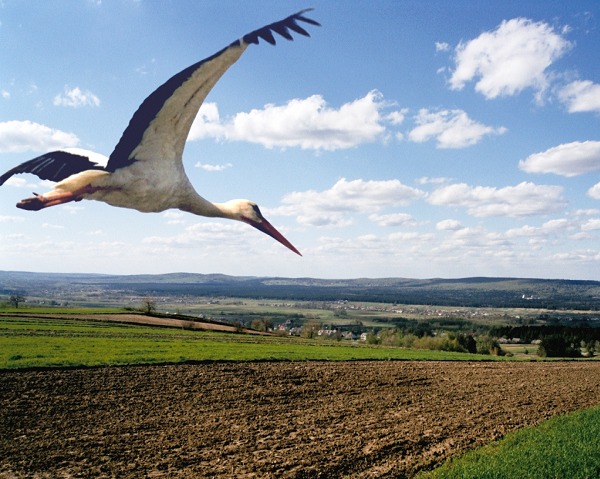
point(159, 128)
point(56, 165)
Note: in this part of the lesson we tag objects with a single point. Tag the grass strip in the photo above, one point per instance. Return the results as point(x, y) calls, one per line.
point(30, 342)
point(564, 446)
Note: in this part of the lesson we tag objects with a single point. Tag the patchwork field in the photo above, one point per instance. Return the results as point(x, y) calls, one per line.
point(367, 419)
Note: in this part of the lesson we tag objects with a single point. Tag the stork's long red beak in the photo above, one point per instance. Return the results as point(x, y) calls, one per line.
point(269, 229)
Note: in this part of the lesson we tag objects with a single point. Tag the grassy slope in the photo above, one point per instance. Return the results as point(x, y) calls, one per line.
point(563, 447)
point(27, 342)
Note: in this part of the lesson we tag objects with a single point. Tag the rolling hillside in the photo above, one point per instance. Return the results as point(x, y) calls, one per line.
point(474, 292)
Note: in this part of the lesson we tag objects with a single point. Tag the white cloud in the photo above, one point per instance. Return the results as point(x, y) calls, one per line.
point(424, 180)
point(76, 98)
point(442, 47)
point(52, 226)
point(594, 192)
point(306, 123)
point(5, 94)
point(466, 244)
point(549, 227)
point(329, 207)
point(397, 117)
point(174, 217)
point(11, 219)
point(524, 199)
point(586, 212)
point(215, 238)
point(591, 224)
point(568, 159)
point(451, 129)
point(449, 225)
point(19, 136)
point(581, 96)
point(509, 59)
point(207, 167)
point(395, 219)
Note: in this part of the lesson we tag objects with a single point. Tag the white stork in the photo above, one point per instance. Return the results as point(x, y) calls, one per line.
point(145, 170)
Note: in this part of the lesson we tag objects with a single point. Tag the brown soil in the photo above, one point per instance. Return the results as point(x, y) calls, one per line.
point(259, 420)
point(138, 318)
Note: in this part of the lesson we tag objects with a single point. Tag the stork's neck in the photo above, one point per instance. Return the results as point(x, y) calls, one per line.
point(202, 207)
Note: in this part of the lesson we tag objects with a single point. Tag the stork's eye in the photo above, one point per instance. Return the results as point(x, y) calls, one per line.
point(257, 211)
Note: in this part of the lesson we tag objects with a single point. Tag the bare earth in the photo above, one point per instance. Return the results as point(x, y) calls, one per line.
point(288, 420)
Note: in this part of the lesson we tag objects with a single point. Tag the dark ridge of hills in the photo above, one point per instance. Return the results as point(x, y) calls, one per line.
point(474, 292)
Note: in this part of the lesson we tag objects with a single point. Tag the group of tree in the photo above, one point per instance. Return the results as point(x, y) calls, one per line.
point(562, 346)
point(449, 341)
point(15, 299)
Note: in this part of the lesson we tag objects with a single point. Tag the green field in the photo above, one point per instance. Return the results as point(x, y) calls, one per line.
point(36, 342)
point(562, 447)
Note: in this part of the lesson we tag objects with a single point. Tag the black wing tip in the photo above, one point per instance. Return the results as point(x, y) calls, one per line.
point(282, 28)
point(54, 166)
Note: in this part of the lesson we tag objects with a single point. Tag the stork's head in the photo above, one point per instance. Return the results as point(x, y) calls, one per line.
point(248, 212)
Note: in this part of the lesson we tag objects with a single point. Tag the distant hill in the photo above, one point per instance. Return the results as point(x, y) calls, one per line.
point(474, 292)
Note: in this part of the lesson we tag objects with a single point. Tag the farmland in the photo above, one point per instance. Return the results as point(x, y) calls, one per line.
point(190, 391)
point(365, 419)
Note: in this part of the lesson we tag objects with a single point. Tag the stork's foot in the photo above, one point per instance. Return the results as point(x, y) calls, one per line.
point(39, 202)
point(32, 204)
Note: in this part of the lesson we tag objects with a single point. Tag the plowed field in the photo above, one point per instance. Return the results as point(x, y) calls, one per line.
point(259, 420)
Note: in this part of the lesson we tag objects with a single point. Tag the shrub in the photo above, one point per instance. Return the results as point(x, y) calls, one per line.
point(557, 346)
point(489, 345)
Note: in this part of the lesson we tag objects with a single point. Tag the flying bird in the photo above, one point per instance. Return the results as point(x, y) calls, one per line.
point(145, 170)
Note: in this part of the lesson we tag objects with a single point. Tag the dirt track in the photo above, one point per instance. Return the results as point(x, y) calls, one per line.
point(289, 420)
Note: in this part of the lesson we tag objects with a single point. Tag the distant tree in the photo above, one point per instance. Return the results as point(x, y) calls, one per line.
point(148, 305)
point(263, 324)
point(371, 337)
point(489, 345)
point(471, 344)
point(558, 346)
point(15, 299)
point(590, 345)
point(390, 337)
point(239, 327)
point(310, 329)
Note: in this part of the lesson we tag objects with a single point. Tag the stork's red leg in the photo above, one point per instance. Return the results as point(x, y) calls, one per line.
point(53, 198)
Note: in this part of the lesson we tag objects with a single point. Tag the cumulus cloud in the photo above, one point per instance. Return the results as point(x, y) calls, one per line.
point(305, 123)
point(174, 217)
point(568, 159)
point(395, 219)
point(19, 136)
point(424, 180)
point(476, 237)
point(509, 59)
point(549, 227)
point(11, 219)
point(207, 167)
point(76, 98)
point(213, 233)
point(524, 199)
point(594, 192)
point(451, 128)
point(330, 207)
point(581, 96)
point(449, 225)
point(442, 47)
point(591, 224)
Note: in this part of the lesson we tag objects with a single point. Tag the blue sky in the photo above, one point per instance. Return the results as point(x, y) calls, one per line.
point(403, 139)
